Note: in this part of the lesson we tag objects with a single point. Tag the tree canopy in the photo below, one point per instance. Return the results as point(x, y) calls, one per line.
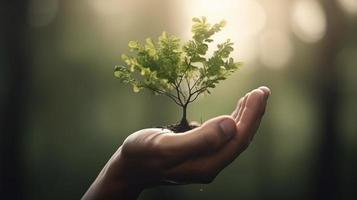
point(180, 70)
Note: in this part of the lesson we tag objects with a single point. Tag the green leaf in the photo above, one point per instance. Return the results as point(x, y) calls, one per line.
point(223, 23)
point(117, 74)
point(124, 57)
point(133, 45)
point(208, 40)
point(204, 19)
point(195, 19)
point(136, 89)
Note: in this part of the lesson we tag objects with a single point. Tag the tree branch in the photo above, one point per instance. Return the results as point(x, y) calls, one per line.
point(178, 91)
point(168, 94)
point(200, 90)
point(194, 84)
point(198, 94)
point(184, 73)
point(172, 97)
point(188, 86)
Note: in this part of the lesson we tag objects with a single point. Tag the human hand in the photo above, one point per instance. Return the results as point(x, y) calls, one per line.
point(154, 156)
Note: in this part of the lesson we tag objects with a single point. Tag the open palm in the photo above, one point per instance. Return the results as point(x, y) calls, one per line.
point(154, 156)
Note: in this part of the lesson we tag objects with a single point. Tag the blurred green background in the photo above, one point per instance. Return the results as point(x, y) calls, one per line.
point(63, 113)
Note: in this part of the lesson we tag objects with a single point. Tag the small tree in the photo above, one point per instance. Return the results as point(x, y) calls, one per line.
point(179, 71)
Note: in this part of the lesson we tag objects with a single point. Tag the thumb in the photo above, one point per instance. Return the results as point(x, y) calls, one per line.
point(209, 137)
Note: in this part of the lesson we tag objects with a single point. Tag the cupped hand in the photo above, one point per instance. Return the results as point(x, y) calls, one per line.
point(151, 157)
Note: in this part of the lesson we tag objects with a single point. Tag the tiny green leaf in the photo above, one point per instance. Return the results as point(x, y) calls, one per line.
point(136, 88)
point(133, 44)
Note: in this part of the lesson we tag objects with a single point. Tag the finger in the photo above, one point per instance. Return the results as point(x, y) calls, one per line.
point(242, 107)
point(205, 139)
point(257, 123)
point(266, 90)
point(247, 126)
point(251, 114)
point(235, 112)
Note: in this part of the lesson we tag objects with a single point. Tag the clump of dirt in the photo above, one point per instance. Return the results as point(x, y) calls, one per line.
point(179, 128)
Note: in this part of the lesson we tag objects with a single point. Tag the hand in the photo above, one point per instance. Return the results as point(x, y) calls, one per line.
point(154, 156)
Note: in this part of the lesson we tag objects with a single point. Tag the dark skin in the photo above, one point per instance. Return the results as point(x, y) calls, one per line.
point(152, 157)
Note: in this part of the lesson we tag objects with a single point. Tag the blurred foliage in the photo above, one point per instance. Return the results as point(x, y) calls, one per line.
point(79, 114)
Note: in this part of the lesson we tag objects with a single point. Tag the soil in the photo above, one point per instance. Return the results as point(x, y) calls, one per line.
point(178, 128)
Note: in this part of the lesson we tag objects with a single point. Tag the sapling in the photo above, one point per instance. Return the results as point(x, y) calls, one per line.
point(180, 71)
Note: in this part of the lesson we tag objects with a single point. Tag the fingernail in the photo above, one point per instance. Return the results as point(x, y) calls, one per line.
point(228, 127)
point(266, 90)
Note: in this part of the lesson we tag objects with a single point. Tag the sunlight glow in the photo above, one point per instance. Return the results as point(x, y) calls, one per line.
point(245, 20)
point(308, 20)
point(276, 49)
point(111, 8)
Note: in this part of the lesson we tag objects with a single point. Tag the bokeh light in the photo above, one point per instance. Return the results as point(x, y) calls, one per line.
point(308, 20)
point(276, 49)
point(350, 6)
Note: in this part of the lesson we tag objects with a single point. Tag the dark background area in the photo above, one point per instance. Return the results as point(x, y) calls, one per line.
point(62, 112)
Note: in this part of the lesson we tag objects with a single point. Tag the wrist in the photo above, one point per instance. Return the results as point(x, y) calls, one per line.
point(101, 189)
point(110, 184)
point(119, 189)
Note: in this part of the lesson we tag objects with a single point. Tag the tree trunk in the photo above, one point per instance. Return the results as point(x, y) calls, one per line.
point(184, 126)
